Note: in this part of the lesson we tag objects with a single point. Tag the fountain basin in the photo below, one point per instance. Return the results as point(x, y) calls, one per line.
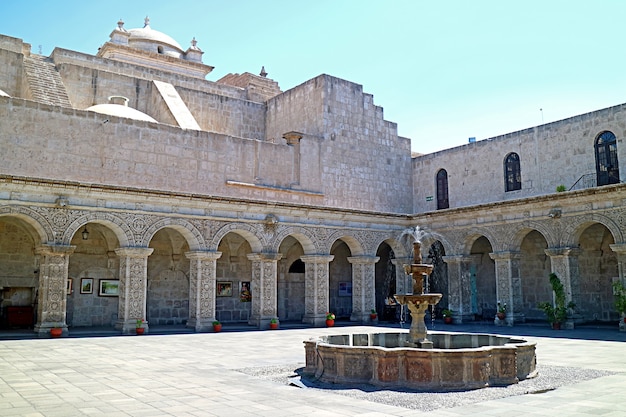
point(457, 361)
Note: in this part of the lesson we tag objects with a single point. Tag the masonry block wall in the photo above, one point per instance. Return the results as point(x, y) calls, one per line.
point(550, 155)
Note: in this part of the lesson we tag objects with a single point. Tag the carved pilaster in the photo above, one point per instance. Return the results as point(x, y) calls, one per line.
point(363, 286)
point(132, 289)
point(264, 288)
point(202, 267)
point(509, 285)
point(564, 263)
point(53, 274)
point(404, 282)
point(459, 290)
point(316, 288)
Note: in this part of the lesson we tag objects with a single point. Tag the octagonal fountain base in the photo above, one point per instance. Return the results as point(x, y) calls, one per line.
point(457, 361)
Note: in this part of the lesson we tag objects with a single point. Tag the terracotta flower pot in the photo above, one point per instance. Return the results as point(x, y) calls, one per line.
point(447, 320)
point(217, 328)
point(501, 316)
point(624, 319)
point(556, 326)
point(330, 323)
point(273, 326)
point(140, 330)
point(373, 316)
point(56, 332)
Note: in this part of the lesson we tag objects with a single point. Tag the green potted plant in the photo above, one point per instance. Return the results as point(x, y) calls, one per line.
point(330, 319)
point(56, 330)
point(373, 314)
point(139, 328)
point(620, 299)
point(556, 313)
point(501, 314)
point(274, 324)
point(217, 326)
point(447, 316)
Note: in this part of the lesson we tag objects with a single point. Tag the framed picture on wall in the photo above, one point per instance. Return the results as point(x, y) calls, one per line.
point(69, 286)
point(86, 285)
point(245, 295)
point(224, 289)
point(345, 289)
point(109, 288)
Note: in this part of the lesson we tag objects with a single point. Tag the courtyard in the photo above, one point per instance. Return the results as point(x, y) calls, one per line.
point(242, 372)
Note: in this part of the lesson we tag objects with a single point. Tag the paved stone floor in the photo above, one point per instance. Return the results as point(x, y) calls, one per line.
point(188, 374)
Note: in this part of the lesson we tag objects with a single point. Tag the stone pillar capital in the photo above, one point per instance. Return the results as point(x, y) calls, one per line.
point(565, 251)
point(504, 255)
point(265, 257)
point(55, 250)
point(619, 248)
point(129, 252)
point(203, 255)
point(317, 259)
point(365, 259)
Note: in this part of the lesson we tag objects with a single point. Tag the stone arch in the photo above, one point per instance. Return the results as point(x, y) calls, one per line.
point(190, 232)
point(304, 236)
point(517, 235)
point(245, 230)
point(116, 224)
point(431, 238)
point(469, 239)
point(573, 231)
point(37, 225)
point(350, 239)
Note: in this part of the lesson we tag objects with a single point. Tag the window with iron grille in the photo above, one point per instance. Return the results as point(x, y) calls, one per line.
point(512, 172)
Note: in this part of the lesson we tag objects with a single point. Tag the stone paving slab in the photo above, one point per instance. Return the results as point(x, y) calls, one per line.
point(197, 375)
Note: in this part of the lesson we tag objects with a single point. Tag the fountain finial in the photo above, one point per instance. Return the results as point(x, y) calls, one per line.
point(417, 253)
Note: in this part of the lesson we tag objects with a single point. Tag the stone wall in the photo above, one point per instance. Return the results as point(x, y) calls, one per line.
point(550, 155)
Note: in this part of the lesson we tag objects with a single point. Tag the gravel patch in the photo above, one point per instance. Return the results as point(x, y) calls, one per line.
point(548, 379)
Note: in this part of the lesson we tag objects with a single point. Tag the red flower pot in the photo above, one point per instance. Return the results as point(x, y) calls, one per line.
point(217, 328)
point(273, 326)
point(140, 330)
point(330, 323)
point(447, 320)
point(373, 316)
point(556, 326)
point(56, 332)
point(501, 316)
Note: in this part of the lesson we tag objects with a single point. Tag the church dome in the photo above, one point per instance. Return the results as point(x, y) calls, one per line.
point(151, 40)
point(120, 110)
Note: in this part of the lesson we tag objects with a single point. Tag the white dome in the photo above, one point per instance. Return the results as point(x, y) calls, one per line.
point(121, 111)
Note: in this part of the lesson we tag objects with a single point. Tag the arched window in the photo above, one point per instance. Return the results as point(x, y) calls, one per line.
point(442, 190)
point(512, 172)
point(607, 166)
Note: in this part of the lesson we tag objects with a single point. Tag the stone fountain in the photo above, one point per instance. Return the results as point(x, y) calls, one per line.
point(418, 302)
point(448, 361)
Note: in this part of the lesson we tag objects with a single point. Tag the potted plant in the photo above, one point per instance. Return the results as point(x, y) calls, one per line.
point(501, 314)
point(273, 324)
point(620, 299)
point(217, 326)
point(373, 314)
point(556, 313)
point(330, 319)
point(56, 330)
point(139, 329)
point(447, 316)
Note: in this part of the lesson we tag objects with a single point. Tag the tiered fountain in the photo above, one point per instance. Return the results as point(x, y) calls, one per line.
point(418, 302)
point(448, 361)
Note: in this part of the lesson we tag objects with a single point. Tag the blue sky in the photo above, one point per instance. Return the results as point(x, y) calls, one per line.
point(443, 70)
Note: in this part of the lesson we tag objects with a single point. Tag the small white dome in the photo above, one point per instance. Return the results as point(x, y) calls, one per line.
point(121, 111)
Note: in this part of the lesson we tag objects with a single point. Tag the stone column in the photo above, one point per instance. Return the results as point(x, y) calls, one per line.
point(316, 288)
point(52, 292)
point(620, 252)
point(459, 291)
point(508, 286)
point(564, 263)
point(404, 283)
point(202, 267)
point(363, 286)
point(264, 288)
point(133, 287)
